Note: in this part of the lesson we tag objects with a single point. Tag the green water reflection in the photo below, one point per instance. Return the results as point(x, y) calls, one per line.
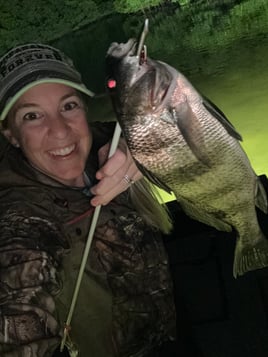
point(224, 52)
point(240, 89)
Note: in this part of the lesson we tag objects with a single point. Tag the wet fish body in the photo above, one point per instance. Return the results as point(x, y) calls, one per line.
point(183, 143)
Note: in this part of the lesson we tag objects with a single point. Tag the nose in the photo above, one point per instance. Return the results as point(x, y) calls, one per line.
point(58, 126)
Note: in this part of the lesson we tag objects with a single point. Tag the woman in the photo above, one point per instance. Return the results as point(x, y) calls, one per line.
point(49, 185)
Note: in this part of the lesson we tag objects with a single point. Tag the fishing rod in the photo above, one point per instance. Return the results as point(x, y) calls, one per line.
point(114, 144)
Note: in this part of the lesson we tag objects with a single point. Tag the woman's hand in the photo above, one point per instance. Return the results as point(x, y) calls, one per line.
point(115, 175)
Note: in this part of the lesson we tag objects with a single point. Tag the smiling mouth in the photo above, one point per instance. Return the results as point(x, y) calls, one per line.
point(62, 152)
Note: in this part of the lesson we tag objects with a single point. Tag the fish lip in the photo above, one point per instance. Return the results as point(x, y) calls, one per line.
point(120, 50)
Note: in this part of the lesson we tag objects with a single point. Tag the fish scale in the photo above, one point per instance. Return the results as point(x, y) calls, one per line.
point(183, 143)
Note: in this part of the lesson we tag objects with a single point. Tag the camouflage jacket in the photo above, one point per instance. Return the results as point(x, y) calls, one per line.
point(125, 305)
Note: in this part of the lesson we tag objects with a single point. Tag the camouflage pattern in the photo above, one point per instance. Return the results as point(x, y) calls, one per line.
point(125, 306)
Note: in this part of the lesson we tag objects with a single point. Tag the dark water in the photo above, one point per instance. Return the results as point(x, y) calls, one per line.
point(222, 50)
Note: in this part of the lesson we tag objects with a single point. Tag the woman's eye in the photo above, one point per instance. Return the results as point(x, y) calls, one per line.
point(70, 106)
point(31, 116)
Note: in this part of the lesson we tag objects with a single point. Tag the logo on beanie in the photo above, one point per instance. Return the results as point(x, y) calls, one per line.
point(31, 54)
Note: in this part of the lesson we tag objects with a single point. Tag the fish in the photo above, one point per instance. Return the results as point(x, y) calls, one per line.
point(184, 144)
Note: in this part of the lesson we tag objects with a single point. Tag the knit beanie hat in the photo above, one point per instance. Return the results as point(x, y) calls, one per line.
point(28, 65)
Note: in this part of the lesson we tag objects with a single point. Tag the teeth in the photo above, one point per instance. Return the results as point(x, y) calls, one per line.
point(63, 151)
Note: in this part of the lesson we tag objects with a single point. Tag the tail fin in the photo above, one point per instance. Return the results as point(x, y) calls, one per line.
point(249, 258)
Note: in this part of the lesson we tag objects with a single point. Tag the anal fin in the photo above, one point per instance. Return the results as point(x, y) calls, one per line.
point(249, 258)
point(260, 196)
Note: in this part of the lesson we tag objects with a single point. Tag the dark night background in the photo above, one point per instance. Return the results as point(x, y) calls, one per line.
point(218, 316)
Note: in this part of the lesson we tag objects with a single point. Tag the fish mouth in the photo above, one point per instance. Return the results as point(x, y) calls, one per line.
point(129, 53)
point(138, 50)
point(129, 56)
point(144, 66)
point(120, 50)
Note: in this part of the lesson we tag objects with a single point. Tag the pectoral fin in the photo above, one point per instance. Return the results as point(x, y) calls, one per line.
point(153, 178)
point(191, 130)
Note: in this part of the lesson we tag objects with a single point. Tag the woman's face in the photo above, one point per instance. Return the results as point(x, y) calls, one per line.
point(49, 124)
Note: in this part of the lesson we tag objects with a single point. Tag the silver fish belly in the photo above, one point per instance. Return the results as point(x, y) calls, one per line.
point(185, 144)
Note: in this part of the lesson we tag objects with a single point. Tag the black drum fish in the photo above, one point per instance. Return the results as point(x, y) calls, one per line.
point(183, 143)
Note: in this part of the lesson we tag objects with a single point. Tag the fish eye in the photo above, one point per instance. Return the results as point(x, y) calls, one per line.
point(111, 83)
